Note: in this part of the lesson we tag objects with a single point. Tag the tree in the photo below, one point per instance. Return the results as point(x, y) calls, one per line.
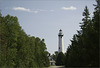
point(60, 59)
point(55, 55)
point(96, 33)
point(84, 48)
point(17, 49)
point(86, 20)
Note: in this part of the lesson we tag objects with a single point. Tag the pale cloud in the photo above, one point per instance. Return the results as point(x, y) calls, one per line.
point(69, 8)
point(22, 9)
point(41, 10)
point(35, 12)
point(29, 10)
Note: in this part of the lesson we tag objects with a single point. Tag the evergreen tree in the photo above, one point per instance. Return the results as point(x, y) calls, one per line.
point(55, 55)
point(96, 33)
point(84, 48)
point(60, 59)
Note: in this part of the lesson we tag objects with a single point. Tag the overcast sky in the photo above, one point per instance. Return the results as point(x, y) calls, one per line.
point(44, 18)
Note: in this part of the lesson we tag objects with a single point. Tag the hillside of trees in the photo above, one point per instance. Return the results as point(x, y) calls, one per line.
point(17, 49)
point(84, 48)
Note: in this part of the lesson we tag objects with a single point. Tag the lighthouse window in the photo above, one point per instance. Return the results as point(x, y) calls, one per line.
point(59, 47)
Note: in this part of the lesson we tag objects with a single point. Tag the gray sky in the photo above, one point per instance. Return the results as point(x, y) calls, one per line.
point(44, 18)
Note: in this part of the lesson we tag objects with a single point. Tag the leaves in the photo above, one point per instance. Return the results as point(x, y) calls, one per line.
point(60, 59)
point(17, 49)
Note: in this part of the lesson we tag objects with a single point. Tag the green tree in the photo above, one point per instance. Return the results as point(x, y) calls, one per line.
point(9, 34)
point(17, 49)
point(60, 59)
point(96, 33)
point(55, 55)
point(84, 48)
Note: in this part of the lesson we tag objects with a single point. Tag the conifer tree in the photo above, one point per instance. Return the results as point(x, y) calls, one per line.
point(84, 48)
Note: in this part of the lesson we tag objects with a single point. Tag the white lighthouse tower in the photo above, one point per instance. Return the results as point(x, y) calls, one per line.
point(60, 42)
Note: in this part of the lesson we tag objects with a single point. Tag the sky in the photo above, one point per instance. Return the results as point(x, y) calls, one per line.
point(44, 18)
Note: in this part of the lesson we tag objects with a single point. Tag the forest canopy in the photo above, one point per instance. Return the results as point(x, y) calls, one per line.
point(17, 49)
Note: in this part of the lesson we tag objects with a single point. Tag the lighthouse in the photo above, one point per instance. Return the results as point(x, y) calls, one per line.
point(60, 41)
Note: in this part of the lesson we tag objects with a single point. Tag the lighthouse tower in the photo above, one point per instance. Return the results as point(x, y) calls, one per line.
point(60, 41)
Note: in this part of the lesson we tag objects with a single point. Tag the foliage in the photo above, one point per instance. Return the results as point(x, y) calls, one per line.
point(17, 49)
point(84, 48)
point(54, 56)
point(60, 59)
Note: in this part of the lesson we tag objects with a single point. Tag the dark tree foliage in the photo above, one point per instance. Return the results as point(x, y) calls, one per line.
point(54, 56)
point(17, 49)
point(84, 48)
point(60, 59)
